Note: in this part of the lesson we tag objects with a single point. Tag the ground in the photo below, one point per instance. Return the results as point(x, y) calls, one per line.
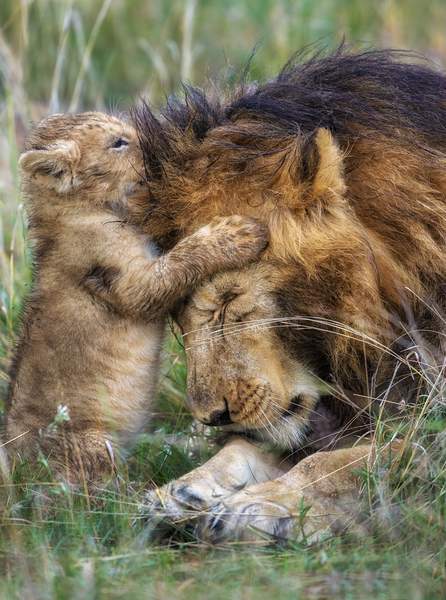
point(63, 544)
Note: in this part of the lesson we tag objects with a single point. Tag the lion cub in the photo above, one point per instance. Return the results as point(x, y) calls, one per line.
point(86, 365)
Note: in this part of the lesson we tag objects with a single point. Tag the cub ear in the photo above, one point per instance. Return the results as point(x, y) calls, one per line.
point(321, 165)
point(55, 165)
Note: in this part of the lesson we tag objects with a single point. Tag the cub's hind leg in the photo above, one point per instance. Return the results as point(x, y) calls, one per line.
point(77, 457)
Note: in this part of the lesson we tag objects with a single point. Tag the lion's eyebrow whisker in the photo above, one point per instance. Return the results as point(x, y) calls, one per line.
point(343, 330)
point(350, 333)
point(362, 337)
point(253, 323)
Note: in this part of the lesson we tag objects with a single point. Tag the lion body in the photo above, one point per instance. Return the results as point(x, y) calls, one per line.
point(344, 158)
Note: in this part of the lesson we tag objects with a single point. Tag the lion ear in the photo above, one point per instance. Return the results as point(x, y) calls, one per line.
point(321, 165)
point(54, 165)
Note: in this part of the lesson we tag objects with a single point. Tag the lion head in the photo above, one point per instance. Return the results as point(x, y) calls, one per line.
point(340, 156)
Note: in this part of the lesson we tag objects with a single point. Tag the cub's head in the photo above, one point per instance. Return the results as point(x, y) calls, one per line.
point(88, 157)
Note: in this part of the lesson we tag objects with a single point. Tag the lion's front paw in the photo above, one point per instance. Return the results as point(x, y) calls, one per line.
point(248, 517)
point(164, 512)
point(161, 503)
point(184, 501)
point(275, 511)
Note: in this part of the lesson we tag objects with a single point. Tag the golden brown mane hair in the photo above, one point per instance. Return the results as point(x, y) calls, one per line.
point(344, 157)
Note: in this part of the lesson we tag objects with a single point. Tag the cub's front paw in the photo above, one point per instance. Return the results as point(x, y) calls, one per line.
point(242, 239)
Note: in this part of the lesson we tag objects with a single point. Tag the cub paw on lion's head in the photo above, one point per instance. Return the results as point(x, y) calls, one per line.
point(241, 239)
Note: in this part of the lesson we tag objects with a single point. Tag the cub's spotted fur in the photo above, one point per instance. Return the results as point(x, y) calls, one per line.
point(93, 322)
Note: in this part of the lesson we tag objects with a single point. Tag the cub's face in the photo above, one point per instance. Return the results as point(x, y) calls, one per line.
point(93, 156)
point(242, 371)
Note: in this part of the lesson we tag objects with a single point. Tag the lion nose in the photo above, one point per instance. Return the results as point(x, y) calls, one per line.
point(220, 417)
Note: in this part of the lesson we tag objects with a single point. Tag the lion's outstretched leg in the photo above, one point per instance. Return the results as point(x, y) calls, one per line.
point(319, 496)
point(240, 463)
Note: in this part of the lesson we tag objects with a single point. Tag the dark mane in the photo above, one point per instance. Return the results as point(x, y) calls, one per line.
point(377, 90)
point(346, 151)
point(390, 93)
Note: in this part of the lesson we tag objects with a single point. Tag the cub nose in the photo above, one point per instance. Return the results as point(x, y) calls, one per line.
point(220, 417)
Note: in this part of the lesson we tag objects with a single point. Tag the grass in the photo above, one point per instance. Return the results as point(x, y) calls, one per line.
point(78, 54)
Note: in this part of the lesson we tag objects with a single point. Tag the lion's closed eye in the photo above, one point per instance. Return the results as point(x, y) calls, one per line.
point(204, 314)
point(242, 317)
point(239, 309)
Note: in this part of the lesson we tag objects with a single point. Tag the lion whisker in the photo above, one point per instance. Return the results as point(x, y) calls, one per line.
point(365, 339)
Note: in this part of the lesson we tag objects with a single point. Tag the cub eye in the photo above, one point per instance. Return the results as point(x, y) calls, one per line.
point(119, 143)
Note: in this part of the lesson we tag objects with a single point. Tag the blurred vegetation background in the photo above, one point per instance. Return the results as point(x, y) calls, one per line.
point(58, 55)
point(84, 53)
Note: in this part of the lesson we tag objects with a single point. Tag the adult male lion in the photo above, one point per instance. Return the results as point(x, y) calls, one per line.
point(344, 157)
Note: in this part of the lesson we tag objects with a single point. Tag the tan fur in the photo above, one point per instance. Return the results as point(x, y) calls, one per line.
point(353, 278)
point(357, 249)
point(249, 494)
point(93, 326)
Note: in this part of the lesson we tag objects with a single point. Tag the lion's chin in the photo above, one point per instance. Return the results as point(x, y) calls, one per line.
point(287, 434)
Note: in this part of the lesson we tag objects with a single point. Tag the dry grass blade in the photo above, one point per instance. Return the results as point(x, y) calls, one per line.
point(85, 62)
